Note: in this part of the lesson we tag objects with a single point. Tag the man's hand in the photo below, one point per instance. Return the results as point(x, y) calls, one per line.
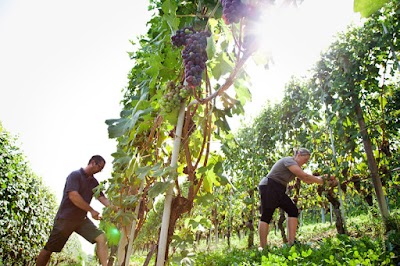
point(113, 207)
point(332, 181)
point(95, 215)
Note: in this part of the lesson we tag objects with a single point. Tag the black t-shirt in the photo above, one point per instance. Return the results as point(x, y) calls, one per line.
point(84, 185)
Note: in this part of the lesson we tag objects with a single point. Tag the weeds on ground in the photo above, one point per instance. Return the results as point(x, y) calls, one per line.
point(368, 242)
point(340, 250)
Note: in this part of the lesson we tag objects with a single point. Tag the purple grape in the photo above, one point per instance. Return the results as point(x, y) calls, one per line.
point(194, 54)
point(233, 11)
point(181, 36)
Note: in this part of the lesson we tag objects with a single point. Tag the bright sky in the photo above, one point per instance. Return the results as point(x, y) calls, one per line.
point(295, 38)
point(63, 65)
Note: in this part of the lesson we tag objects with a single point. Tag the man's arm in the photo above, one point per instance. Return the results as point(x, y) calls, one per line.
point(303, 176)
point(309, 179)
point(104, 201)
point(77, 199)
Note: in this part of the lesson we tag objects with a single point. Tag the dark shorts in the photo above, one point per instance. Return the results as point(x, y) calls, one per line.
point(63, 228)
point(273, 195)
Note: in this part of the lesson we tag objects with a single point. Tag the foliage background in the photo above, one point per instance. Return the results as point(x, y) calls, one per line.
point(27, 210)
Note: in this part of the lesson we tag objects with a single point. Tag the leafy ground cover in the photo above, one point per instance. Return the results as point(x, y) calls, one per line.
point(366, 244)
point(340, 250)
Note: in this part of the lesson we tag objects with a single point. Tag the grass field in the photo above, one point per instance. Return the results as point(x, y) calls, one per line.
point(366, 243)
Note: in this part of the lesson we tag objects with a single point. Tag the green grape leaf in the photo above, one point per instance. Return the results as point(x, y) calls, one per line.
point(142, 172)
point(118, 127)
point(210, 47)
point(243, 93)
point(222, 66)
point(169, 9)
point(159, 188)
point(368, 7)
point(205, 199)
point(210, 180)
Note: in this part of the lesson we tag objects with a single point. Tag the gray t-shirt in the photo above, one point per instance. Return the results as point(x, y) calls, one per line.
point(280, 172)
point(84, 185)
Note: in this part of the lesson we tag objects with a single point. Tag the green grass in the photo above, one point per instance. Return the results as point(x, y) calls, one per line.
point(367, 243)
point(340, 250)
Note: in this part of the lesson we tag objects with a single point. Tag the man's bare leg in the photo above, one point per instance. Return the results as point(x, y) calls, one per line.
point(292, 224)
point(43, 257)
point(263, 229)
point(102, 249)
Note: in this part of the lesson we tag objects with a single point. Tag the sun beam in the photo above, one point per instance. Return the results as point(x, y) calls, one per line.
point(292, 38)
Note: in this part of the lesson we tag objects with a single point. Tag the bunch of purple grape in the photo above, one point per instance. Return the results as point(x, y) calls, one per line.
point(180, 36)
point(195, 57)
point(232, 11)
point(194, 54)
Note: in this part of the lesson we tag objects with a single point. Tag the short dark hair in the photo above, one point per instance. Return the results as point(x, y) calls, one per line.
point(303, 151)
point(97, 159)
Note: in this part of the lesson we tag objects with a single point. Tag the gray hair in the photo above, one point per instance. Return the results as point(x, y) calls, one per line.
point(302, 151)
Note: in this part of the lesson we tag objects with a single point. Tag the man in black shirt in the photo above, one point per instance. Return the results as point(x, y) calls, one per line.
point(71, 216)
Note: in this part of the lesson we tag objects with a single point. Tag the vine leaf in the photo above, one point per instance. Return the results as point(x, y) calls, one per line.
point(149, 170)
point(223, 66)
point(220, 119)
point(121, 158)
point(142, 172)
point(210, 47)
point(169, 8)
point(155, 65)
point(118, 127)
point(243, 93)
point(210, 178)
point(130, 200)
point(368, 7)
point(159, 188)
point(205, 199)
point(172, 117)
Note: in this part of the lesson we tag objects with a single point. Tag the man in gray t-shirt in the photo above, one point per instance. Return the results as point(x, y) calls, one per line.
point(280, 172)
point(71, 216)
point(273, 192)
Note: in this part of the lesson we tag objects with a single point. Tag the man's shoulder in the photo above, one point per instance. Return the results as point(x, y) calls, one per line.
point(94, 180)
point(287, 161)
point(77, 173)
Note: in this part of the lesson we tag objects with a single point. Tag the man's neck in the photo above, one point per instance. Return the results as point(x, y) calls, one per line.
point(87, 172)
